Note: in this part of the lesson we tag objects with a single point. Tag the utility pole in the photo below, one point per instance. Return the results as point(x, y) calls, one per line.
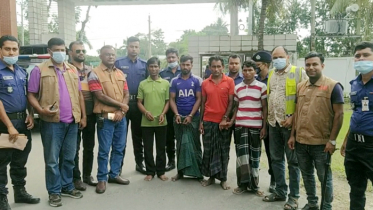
point(150, 39)
point(250, 19)
point(313, 32)
point(22, 26)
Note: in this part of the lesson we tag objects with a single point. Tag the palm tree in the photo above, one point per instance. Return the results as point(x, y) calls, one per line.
point(231, 6)
point(275, 6)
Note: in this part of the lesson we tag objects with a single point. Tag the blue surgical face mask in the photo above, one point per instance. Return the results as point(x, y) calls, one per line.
point(59, 57)
point(10, 60)
point(363, 67)
point(279, 63)
point(173, 65)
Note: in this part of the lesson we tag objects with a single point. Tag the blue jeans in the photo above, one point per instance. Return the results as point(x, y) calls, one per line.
point(310, 157)
point(111, 135)
point(59, 139)
point(278, 145)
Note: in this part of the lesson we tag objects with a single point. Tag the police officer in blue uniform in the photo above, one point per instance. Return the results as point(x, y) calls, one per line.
point(172, 70)
point(358, 145)
point(134, 68)
point(263, 60)
point(13, 86)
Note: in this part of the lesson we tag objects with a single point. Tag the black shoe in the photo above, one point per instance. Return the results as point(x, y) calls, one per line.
point(170, 166)
point(4, 205)
point(90, 181)
point(21, 196)
point(141, 168)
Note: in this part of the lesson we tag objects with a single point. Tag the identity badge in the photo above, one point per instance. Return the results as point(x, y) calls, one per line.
point(365, 104)
point(10, 89)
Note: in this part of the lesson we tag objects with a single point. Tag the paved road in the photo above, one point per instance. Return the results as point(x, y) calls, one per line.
point(140, 195)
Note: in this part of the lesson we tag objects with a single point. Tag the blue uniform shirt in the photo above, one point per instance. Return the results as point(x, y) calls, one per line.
point(135, 72)
point(361, 122)
point(168, 75)
point(238, 79)
point(13, 87)
point(186, 91)
point(265, 80)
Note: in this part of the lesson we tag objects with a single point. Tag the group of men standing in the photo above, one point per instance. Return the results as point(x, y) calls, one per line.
point(297, 113)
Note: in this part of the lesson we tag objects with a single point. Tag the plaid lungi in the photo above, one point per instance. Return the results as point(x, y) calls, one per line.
point(188, 148)
point(216, 145)
point(248, 150)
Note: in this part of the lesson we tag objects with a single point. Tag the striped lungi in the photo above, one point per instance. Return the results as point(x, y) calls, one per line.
point(248, 151)
point(216, 145)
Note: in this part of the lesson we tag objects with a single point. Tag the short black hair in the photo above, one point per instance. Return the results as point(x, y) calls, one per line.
point(153, 60)
point(249, 63)
point(106, 47)
point(314, 55)
point(55, 42)
point(363, 45)
point(185, 58)
point(132, 39)
point(172, 50)
point(216, 58)
point(234, 56)
point(286, 50)
point(5, 38)
point(75, 42)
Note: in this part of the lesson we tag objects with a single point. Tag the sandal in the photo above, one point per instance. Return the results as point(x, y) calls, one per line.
point(239, 191)
point(273, 197)
point(292, 204)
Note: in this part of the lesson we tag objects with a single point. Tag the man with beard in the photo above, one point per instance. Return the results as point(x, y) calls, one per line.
point(134, 69)
point(172, 70)
point(185, 100)
point(217, 101)
point(77, 55)
point(153, 103)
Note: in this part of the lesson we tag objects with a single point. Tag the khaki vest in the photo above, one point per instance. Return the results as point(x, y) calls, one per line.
point(49, 89)
point(315, 115)
point(112, 86)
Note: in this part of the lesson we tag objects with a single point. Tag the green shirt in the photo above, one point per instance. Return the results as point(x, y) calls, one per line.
point(154, 95)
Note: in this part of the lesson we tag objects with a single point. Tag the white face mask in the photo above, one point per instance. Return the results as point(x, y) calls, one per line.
point(59, 57)
point(173, 65)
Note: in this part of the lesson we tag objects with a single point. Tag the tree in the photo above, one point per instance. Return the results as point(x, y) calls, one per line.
point(26, 35)
point(218, 28)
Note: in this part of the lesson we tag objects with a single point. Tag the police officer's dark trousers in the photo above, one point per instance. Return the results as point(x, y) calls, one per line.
point(359, 168)
point(170, 139)
point(16, 158)
point(134, 115)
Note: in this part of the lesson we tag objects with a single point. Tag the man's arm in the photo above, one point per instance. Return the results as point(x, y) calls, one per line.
point(337, 121)
point(265, 112)
point(173, 103)
point(126, 97)
point(197, 104)
point(82, 105)
point(107, 100)
point(230, 104)
point(203, 102)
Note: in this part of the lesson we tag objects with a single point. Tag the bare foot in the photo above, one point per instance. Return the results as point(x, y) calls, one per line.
point(163, 177)
point(224, 185)
point(177, 177)
point(148, 178)
point(208, 182)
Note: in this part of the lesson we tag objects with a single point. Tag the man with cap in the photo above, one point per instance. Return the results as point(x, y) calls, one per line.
point(263, 60)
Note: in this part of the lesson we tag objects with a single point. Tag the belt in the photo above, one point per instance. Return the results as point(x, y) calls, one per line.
point(133, 97)
point(362, 138)
point(17, 115)
point(104, 115)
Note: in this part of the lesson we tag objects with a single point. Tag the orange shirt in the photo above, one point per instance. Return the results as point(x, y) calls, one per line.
point(217, 98)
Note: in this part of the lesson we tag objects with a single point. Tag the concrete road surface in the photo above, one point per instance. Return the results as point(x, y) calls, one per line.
point(185, 194)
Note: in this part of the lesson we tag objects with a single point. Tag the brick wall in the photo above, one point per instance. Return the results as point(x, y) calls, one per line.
point(8, 17)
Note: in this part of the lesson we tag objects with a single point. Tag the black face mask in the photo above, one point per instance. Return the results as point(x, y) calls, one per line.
point(258, 70)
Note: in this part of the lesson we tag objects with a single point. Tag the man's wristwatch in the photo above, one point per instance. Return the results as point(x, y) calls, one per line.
point(225, 117)
point(190, 115)
point(333, 142)
point(123, 112)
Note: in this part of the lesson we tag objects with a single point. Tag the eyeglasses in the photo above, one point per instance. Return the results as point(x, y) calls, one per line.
point(78, 51)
